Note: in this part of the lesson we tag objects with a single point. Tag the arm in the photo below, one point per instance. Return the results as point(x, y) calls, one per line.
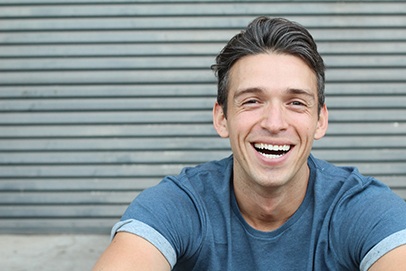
point(391, 261)
point(127, 252)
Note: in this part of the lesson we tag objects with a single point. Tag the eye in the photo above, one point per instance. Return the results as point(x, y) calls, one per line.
point(297, 103)
point(251, 101)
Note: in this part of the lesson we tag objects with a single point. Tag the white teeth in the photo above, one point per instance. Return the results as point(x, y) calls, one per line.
point(272, 147)
point(271, 156)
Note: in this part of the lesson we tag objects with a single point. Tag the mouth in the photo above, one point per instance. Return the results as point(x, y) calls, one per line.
point(272, 151)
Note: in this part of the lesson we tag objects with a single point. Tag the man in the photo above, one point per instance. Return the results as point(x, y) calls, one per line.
point(271, 205)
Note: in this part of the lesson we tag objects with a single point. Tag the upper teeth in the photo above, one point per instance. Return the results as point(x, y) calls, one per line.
point(272, 147)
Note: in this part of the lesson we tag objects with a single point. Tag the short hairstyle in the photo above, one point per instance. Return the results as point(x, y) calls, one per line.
point(267, 35)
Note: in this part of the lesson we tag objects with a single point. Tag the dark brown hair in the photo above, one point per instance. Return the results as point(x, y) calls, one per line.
point(265, 35)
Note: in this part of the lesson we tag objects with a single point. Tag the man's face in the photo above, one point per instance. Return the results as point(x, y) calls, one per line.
point(272, 119)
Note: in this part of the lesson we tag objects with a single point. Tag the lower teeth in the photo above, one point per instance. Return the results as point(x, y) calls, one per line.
point(271, 156)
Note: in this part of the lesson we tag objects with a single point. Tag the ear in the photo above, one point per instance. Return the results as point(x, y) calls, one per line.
point(220, 121)
point(322, 123)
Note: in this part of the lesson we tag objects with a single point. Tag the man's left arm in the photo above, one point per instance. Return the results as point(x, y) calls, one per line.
point(391, 261)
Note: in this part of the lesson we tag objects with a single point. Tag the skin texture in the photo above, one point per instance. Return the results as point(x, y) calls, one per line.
point(394, 260)
point(130, 252)
point(272, 100)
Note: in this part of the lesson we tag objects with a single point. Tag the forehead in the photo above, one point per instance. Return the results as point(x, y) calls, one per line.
point(271, 72)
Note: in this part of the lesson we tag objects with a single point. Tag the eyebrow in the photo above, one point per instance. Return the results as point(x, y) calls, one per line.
point(248, 91)
point(256, 90)
point(305, 92)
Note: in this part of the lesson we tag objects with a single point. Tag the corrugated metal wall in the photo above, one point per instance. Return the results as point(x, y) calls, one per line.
point(100, 99)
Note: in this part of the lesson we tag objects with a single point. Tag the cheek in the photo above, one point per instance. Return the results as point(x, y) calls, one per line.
point(240, 127)
point(306, 126)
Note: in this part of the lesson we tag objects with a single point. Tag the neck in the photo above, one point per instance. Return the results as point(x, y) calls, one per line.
point(268, 209)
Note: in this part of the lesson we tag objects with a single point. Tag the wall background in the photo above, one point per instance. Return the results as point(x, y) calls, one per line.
point(100, 99)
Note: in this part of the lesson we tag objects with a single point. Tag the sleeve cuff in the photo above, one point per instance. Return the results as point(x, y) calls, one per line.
point(389, 243)
point(148, 233)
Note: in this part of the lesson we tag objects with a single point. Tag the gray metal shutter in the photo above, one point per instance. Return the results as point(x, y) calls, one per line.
point(100, 99)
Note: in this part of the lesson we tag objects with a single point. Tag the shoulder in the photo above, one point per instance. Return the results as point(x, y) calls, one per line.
point(363, 210)
point(352, 191)
point(174, 212)
point(210, 176)
point(193, 179)
point(189, 191)
point(217, 168)
point(326, 170)
point(344, 181)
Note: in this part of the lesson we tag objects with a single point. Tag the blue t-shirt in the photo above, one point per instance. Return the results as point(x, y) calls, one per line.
point(345, 222)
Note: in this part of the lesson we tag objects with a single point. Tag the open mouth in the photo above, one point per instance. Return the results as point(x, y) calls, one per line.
point(272, 151)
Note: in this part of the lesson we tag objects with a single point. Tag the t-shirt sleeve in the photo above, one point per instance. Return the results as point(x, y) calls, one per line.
point(369, 222)
point(148, 233)
point(389, 243)
point(168, 216)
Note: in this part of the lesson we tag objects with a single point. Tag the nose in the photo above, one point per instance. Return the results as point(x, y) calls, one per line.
point(274, 118)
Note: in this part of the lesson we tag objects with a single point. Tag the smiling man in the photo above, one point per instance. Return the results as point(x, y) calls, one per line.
point(271, 205)
point(272, 119)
